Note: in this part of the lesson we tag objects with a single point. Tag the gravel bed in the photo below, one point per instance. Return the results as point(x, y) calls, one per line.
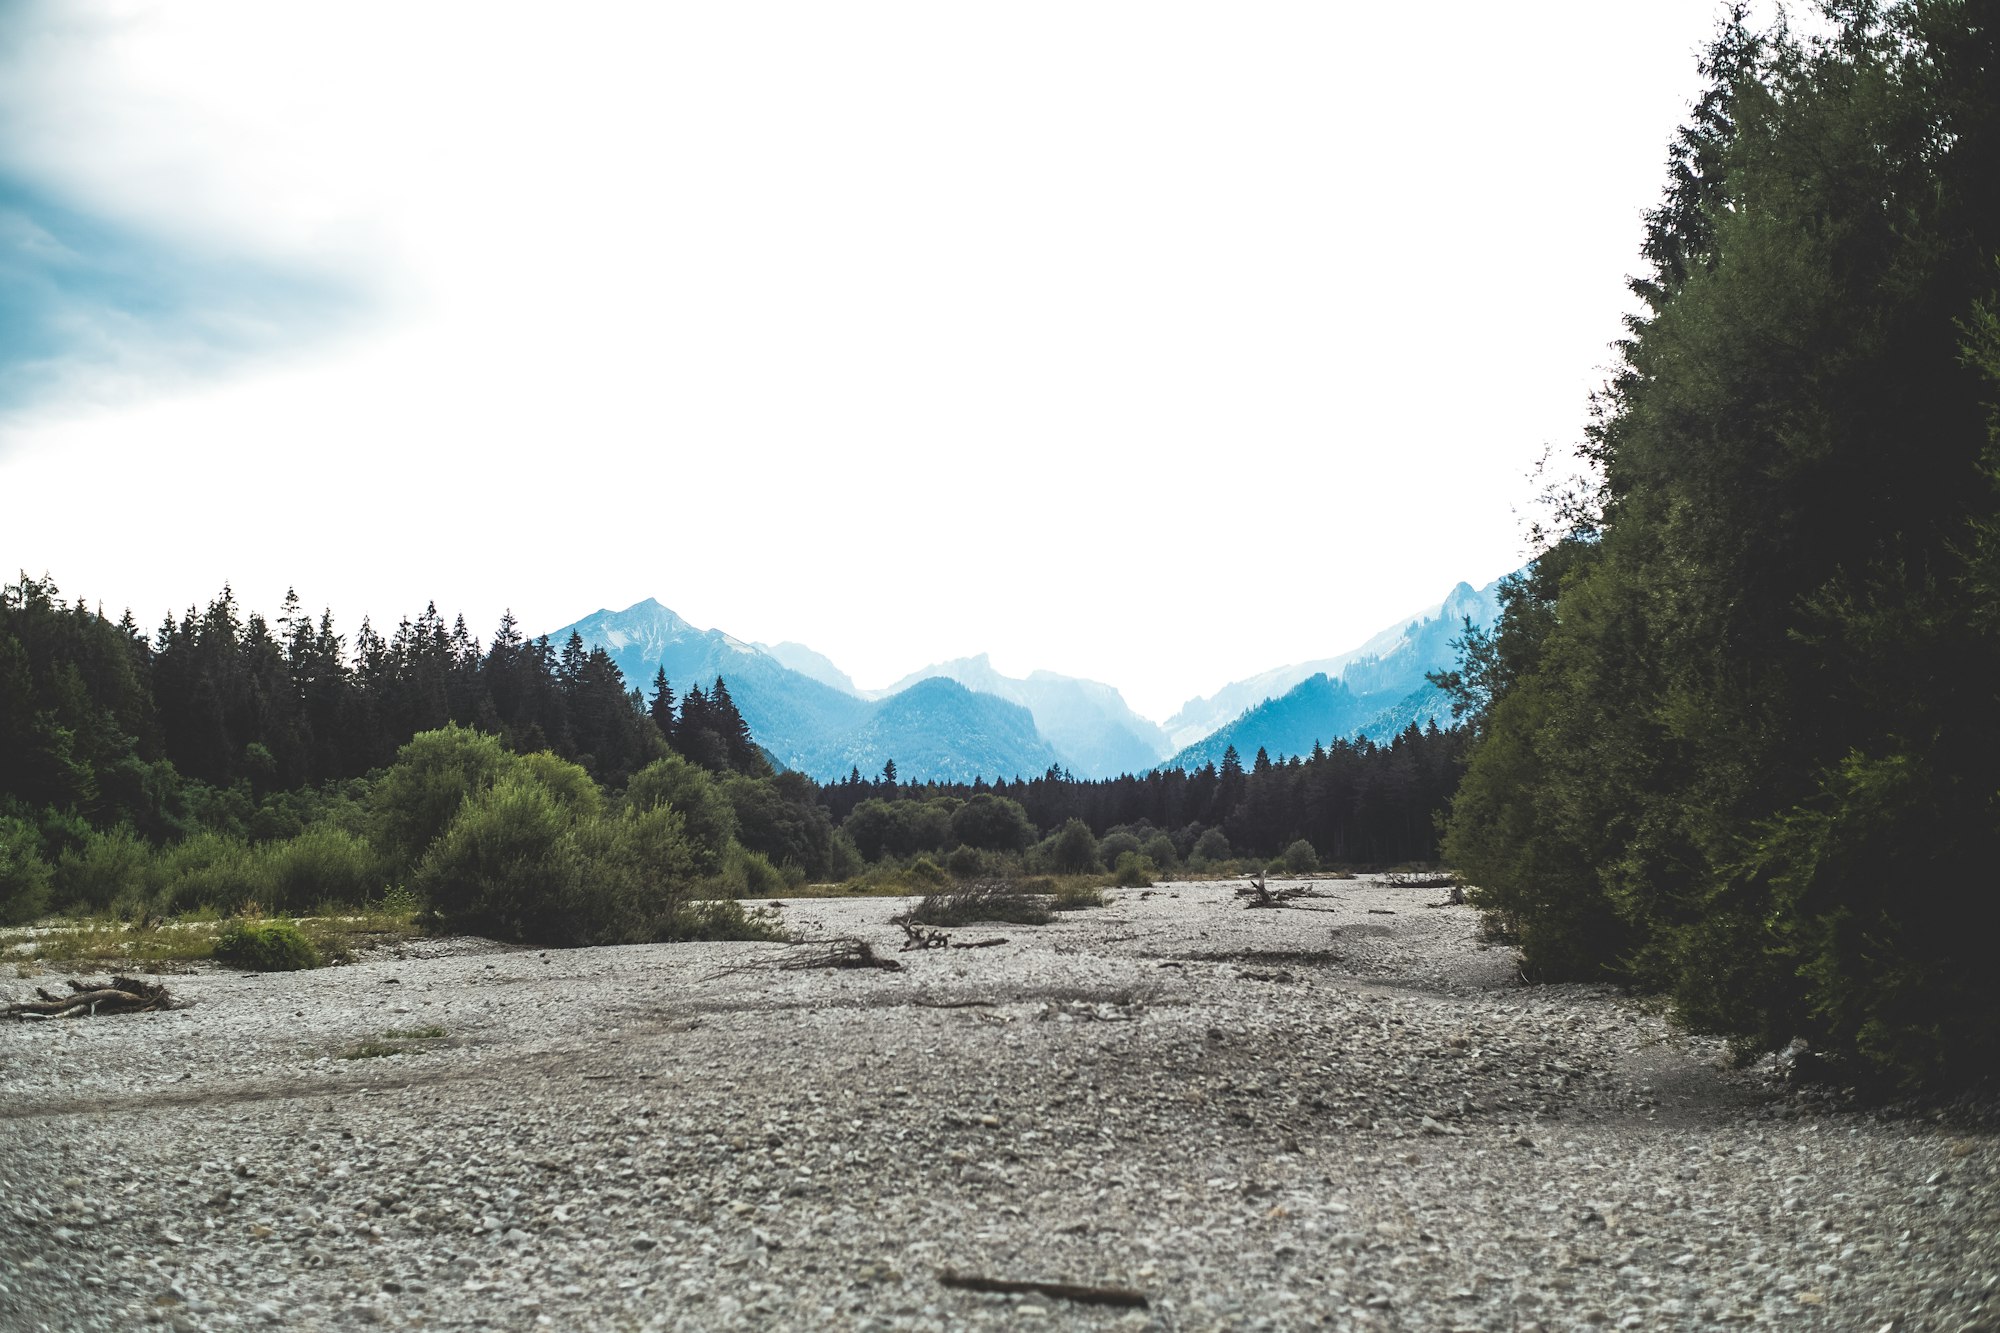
point(1347, 1113)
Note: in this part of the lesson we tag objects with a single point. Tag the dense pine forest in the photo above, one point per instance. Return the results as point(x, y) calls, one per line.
point(1736, 731)
point(227, 760)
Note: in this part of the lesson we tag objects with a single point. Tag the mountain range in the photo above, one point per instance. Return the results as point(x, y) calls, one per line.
point(962, 719)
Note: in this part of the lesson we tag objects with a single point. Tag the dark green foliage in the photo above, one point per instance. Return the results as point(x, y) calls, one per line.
point(897, 829)
point(1211, 847)
point(1299, 858)
point(1073, 851)
point(992, 823)
point(1134, 871)
point(1736, 728)
point(705, 810)
point(24, 875)
point(265, 946)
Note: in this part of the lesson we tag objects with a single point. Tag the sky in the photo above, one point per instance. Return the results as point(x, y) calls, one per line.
point(1158, 343)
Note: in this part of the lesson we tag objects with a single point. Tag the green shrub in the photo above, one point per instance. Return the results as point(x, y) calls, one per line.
point(108, 872)
point(421, 792)
point(748, 874)
point(726, 919)
point(1074, 850)
point(709, 818)
point(1211, 847)
point(1075, 897)
point(924, 871)
point(257, 945)
point(24, 876)
point(214, 870)
point(1159, 849)
point(1134, 871)
point(322, 865)
point(1117, 843)
point(508, 867)
point(968, 863)
point(1299, 858)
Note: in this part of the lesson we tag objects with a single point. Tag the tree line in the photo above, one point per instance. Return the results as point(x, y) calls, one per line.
point(1735, 733)
point(1355, 802)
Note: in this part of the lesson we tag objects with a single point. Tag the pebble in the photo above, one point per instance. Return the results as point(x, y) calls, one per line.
point(1399, 1136)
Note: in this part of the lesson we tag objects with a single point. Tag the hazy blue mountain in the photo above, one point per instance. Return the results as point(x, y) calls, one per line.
point(1402, 652)
point(1377, 689)
point(1094, 732)
point(938, 728)
point(809, 663)
point(941, 730)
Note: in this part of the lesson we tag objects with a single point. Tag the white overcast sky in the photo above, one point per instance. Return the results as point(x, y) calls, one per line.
point(1157, 343)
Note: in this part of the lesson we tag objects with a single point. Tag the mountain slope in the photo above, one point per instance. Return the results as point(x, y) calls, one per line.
point(938, 728)
point(812, 726)
point(1094, 732)
point(1423, 637)
point(1378, 689)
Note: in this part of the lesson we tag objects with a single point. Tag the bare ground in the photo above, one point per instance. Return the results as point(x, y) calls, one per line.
point(1346, 1113)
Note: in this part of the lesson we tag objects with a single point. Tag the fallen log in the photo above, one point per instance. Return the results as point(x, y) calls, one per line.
point(120, 995)
point(1066, 1291)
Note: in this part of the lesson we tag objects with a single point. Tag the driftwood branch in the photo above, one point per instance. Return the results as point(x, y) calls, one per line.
point(120, 995)
point(1066, 1291)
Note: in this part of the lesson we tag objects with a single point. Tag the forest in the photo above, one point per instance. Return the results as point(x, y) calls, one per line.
point(1735, 734)
point(523, 789)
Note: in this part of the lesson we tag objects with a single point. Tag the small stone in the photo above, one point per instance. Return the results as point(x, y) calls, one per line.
point(643, 1242)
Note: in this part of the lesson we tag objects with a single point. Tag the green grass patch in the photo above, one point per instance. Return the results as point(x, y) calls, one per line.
point(431, 1033)
point(727, 919)
point(259, 945)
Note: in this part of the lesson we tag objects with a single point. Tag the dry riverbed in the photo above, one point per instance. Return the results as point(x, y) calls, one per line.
point(1346, 1113)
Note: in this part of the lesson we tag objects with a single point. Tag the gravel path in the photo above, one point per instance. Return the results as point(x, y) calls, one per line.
point(1340, 1114)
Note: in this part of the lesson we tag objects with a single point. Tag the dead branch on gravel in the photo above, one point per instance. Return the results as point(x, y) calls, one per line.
point(985, 900)
point(1260, 895)
point(1066, 1291)
point(847, 951)
point(1421, 879)
point(918, 937)
point(839, 952)
point(120, 995)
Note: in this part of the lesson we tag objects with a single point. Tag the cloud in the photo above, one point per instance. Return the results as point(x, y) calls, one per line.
point(99, 309)
point(109, 293)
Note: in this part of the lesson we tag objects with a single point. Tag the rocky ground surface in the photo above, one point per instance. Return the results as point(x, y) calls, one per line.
point(1347, 1113)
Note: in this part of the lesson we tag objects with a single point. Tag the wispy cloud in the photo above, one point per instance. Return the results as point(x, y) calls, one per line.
point(100, 309)
point(109, 294)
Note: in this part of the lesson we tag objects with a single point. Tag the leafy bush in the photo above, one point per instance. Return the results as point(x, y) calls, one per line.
point(321, 865)
point(1211, 847)
point(107, 872)
point(968, 863)
point(1075, 897)
point(508, 866)
point(422, 791)
point(1118, 842)
point(24, 876)
point(1299, 858)
point(214, 870)
point(705, 811)
point(1159, 849)
point(257, 945)
point(1134, 871)
point(1074, 849)
point(748, 874)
